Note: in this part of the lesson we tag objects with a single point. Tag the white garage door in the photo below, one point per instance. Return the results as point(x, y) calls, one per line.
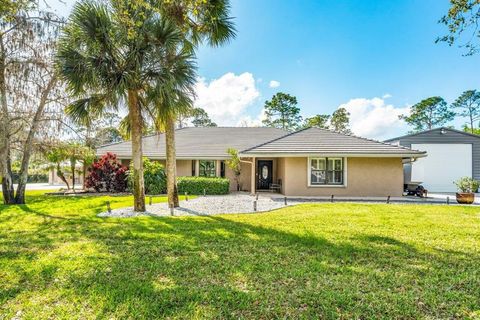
point(444, 164)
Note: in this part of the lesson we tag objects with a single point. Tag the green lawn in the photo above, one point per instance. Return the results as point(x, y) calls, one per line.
point(58, 260)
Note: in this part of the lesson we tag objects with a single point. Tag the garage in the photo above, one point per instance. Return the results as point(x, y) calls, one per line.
point(451, 154)
point(444, 164)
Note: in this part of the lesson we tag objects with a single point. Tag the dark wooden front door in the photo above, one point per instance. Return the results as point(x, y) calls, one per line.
point(264, 174)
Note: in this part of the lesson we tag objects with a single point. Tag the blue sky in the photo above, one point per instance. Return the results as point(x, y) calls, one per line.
point(374, 57)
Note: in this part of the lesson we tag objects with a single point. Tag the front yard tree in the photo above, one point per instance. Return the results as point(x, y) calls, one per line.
point(428, 114)
point(171, 102)
point(462, 19)
point(206, 21)
point(235, 165)
point(107, 62)
point(29, 92)
point(282, 112)
point(317, 121)
point(340, 121)
point(469, 105)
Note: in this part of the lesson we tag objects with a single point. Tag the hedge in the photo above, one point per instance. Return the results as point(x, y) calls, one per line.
point(196, 185)
point(32, 178)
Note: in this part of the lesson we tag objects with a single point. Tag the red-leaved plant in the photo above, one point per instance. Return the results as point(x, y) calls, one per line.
point(107, 174)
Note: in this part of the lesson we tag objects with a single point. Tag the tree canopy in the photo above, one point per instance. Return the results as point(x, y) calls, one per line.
point(318, 121)
point(282, 112)
point(428, 114)
point(468, 104)
point(340, 121)
point(462, 21)
point(200, 118)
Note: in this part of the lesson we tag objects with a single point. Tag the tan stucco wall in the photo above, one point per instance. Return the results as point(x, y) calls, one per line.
point(184, 168)
point(365, 177)
point(245, 177)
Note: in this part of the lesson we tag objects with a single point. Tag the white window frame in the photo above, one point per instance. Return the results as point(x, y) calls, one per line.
point(309, 173)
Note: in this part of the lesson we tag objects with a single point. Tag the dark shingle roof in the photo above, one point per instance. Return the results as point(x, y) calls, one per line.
point(198, 143)
point(326, 142)
point(432, 130)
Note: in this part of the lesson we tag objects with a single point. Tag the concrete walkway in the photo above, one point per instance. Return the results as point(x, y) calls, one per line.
point(451, 195)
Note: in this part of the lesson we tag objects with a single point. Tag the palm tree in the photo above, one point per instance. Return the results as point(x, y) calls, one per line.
point(205, 21)
point(173, 99)
point(107, 63)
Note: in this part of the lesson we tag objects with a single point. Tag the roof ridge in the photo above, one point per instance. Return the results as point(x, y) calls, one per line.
point(369, 139)
point(235, 127)
point(434, 129)
point(264, 143)
point(335, 132)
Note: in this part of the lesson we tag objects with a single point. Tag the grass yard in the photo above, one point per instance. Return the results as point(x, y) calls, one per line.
point(58, 260)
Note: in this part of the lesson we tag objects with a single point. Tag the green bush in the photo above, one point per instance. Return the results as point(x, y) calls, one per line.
point(467, 184)
point(153, 175)
point(32, 178)
point(196, 185)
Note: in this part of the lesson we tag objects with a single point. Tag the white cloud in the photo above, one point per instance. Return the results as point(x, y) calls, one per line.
point(227, 98)
point(274, 84)
point(386, 96)
point(373, 118)
point(249, 121)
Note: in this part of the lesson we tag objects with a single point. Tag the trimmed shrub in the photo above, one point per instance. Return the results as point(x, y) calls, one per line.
point(32, 177)
point(107, 174)
point(196, 185)
point(154, 177)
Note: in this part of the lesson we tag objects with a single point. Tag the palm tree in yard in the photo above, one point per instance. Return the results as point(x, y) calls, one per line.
point(108, 63)
point(206, 21)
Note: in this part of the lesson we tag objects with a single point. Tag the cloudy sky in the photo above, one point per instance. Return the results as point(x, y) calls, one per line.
point(375, 58)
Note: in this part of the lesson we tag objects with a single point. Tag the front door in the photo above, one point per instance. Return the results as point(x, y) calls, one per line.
point(264, 174)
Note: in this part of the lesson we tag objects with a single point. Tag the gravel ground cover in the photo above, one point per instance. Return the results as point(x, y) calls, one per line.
point(243, 202)
point(206, 205)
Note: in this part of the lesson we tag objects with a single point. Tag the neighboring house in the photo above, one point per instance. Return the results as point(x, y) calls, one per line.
point(452, 154)
point(309, 162)
point(53, 178)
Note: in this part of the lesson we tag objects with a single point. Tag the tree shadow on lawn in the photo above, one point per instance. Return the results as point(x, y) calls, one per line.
point(217, 267)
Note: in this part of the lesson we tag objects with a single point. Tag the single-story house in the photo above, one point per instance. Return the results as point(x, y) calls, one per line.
point(308, 162)
point(452, 154)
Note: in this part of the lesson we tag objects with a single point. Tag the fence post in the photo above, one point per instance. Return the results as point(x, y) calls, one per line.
point(109, 209)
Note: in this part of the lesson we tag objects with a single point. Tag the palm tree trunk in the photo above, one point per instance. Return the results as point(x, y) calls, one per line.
point(136, 124)
point(172, 191)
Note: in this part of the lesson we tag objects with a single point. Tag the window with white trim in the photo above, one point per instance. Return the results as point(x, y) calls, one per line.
point(207, 168)
point(326, 171)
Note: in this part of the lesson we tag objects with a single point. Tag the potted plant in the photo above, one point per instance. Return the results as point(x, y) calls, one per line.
point(467, 186)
